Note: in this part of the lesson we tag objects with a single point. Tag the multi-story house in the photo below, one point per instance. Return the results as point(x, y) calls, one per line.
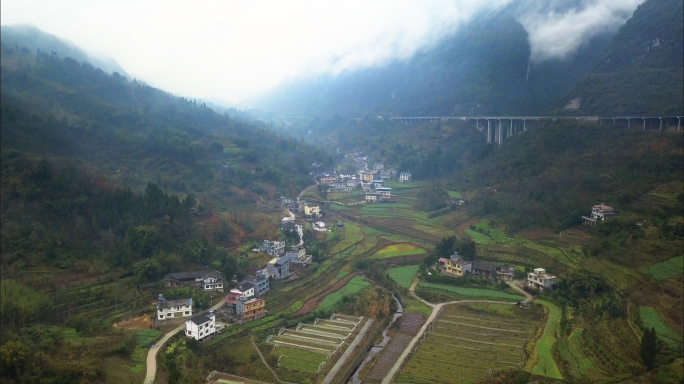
point(250, 308)
point(173, 309)
point(601, 211)
point(312, 210)
point(456, 265)
point(540, 279)
point(202, 326)
point(378, 167)
point(273, 248)
point(278, 268)
point(405, 177)
point(386, 192)
point(373, 197)
point(245, 289)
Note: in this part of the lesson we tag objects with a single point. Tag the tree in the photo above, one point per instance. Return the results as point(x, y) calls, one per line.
point(148, 269)
point(13, 356)
point(649, 348)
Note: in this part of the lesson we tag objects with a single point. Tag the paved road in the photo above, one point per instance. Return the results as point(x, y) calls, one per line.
point(343, 359)
point(515, 285)
point(152, 354)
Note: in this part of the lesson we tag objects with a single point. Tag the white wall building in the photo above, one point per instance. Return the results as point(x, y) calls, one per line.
point(273, 248)
point(246, 289)
point(540, 279)
point(372, 197)
point(404, 177)
point(172, 309)
point(601, 211)
point(199, 327)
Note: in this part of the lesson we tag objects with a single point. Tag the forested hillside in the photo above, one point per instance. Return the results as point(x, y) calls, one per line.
point(640, 70)
point(133, 133)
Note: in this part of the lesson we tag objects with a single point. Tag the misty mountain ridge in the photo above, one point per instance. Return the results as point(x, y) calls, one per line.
point(485, 68)
point(30, 37)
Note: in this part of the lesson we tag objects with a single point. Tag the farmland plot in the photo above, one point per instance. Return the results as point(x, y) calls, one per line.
point(467, 345)
point(306, 347)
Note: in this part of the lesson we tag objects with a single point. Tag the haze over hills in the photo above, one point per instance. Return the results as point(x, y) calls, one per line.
point(485, 68)
point(32, 38)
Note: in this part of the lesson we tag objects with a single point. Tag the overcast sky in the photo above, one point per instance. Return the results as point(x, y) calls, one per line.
point(235, 49)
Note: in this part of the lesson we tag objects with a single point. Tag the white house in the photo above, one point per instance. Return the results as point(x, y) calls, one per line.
point(378, 167)
point(199, 327)
point(172, 309)
point(373, 197)
point(246, 289)
point(601, 211)
point(405, 177)
point(386, 192)
point(540, 279)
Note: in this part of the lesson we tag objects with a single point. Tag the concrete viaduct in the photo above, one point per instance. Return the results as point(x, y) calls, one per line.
point(500, 128)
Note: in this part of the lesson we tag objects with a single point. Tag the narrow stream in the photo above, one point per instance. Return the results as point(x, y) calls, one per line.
point(375, 349)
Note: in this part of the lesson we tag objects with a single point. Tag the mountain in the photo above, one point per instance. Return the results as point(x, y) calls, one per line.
point(484, 68)
point(32, 38)
point(641, 70)
point(132, 133)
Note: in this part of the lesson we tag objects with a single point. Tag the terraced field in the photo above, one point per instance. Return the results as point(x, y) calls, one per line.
point(472, 292)
point(467, 345)
point(308, 347)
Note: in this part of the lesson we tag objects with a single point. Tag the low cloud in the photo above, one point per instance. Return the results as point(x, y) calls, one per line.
point(557, 31)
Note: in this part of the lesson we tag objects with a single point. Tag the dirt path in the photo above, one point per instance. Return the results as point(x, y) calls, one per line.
point(266, 364)
point(343, 359)
point(311, 304)
point(412, 293)
point(630, 324)
point(514, 284)
point(299, 197)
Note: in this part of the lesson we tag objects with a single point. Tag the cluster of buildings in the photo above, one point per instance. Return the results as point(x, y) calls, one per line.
point(599, 212)
point(301, 207)
point(364, 179)
point(457, 266)
point(245, 302)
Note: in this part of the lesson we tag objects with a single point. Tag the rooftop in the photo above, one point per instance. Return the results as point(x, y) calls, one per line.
point(174, 303)
point(245, 286)
point(201, 319)
point(193, 275)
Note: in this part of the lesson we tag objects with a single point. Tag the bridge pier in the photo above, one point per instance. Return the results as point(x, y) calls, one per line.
point(628, 122)
point(661, 124)
point(524, 126)
point(644, 124)
point(489, 131)
point(679, 123)
point(500, 133)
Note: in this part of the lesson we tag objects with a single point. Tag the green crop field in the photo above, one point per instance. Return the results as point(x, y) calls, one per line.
point(342, 274)
point(354, 286)
point(651, 319)
point(455, 194)
point(388, 255)
point(479, 238)
point(473, 292)
point(352, 234)
point(547, 365)
point(299, 360)
point(666, 269)
point(146, 337)
point(404, 275)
